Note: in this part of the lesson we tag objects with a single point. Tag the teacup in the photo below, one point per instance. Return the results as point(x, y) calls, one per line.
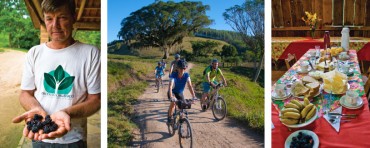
point(304, 65)
point(312, 53)
point(280, 90)
point(351, 97)
point(343, 55)
point(345, 68)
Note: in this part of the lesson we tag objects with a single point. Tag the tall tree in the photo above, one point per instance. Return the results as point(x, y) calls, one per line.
point(248, 19)
point(164, 24)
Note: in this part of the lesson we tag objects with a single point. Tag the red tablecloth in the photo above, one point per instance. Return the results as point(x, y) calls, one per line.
point(299, 48)
point(364, 53)
point(351, 134)
point(355, 133)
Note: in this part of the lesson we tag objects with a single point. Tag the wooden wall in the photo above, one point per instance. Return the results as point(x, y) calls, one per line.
point(287, 17)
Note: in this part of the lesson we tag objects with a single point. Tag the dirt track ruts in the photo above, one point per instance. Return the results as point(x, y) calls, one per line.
point(152, 116)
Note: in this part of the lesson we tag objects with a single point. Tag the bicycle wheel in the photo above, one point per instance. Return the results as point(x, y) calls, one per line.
point(185, 134)
point(157, 84)
point(219, 108)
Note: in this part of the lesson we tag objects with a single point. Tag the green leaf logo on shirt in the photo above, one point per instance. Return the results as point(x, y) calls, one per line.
point(58, 81)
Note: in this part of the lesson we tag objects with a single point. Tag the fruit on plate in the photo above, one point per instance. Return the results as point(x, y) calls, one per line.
point(302, 140)
point(296, 112)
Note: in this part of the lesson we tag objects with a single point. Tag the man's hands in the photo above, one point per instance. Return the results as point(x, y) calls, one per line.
point(60, 118)
point(27, 116)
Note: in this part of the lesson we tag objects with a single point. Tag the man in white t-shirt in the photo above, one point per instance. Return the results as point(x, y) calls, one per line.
point(61, 78)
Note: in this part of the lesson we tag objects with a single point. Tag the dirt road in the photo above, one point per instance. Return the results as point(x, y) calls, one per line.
point(11, 66)
point(152, 116)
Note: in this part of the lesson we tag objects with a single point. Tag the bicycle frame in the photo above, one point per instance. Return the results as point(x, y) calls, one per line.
point(214, 94)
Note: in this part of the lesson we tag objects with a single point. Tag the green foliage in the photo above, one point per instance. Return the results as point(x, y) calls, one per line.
point(163, 24)
point(16, 24)
point(228, 50)
point(89, 37)
point(244, 98)
point(204, 48)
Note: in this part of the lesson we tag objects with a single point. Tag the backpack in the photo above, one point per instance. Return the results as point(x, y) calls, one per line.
point(210, 66)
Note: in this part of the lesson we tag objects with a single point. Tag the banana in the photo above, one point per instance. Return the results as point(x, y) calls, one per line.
point(305, 111)
point(292, 115)
point(299, 104)
point(311, 113)
point(285, 110)
point(289, 121)
point(291, 105)
point(306, 101)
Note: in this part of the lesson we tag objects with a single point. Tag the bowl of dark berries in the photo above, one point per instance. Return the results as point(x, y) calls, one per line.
point(37, 124)
point(302, 139)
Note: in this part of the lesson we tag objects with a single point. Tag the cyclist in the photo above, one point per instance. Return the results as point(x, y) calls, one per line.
point(159, 72)
point(174, 64)
point(210, 73)
point(164, 64)
point(178, 80)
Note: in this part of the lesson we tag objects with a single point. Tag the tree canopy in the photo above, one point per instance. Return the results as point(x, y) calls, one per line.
point(16, 23)
point(248, 20)
point(164, 24)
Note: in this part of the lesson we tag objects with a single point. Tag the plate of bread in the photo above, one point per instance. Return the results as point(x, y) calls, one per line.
point(307, 86)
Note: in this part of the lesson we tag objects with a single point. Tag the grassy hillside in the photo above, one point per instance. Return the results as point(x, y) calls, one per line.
point(126, 82)
point(244, 98)
point(156, 52)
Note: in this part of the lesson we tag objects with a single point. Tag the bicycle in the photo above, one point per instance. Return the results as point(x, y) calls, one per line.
point(219, 106)
point(181, 122)
point(158, 81)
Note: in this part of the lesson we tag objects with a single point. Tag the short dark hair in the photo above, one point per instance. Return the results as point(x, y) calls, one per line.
point(54, 5)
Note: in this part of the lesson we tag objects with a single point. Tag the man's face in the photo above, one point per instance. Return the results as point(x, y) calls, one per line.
point(59, 24)
point(214, 65)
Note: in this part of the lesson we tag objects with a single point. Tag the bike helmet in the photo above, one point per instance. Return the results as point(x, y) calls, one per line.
point(177, 56)
point(159, 63)
point(214, 61)
point(182, 64)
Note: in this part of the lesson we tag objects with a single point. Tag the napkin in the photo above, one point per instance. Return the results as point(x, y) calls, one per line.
point(335, 125)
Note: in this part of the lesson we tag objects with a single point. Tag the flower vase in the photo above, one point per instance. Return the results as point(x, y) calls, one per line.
point(313, 34)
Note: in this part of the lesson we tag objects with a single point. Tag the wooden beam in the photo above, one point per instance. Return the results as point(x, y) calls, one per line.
point(81, 9)
point(86, 25)
point(89, 8)
point(91, 17)
point(38, 7)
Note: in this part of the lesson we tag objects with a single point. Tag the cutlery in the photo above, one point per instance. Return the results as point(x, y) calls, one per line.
point(338, 114)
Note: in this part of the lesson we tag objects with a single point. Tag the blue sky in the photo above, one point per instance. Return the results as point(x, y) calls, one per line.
point(120, 9)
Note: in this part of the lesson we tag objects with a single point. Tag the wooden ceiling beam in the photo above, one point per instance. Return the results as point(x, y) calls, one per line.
point(81, 9)
point(87, 25)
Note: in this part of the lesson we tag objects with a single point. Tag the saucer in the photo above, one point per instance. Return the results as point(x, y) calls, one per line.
point(358, 105)
point(299, 70)
point(349, 73)
point(276, 97)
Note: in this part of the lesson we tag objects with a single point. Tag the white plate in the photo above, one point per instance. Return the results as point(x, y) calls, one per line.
point(302, 124)
point(349, 106)
point(299, 70)
point(348, 87)
point(306, 132)
point(275, 97)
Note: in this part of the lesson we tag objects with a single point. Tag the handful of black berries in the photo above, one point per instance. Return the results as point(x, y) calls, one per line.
point(35, 124)
point(302, 141)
